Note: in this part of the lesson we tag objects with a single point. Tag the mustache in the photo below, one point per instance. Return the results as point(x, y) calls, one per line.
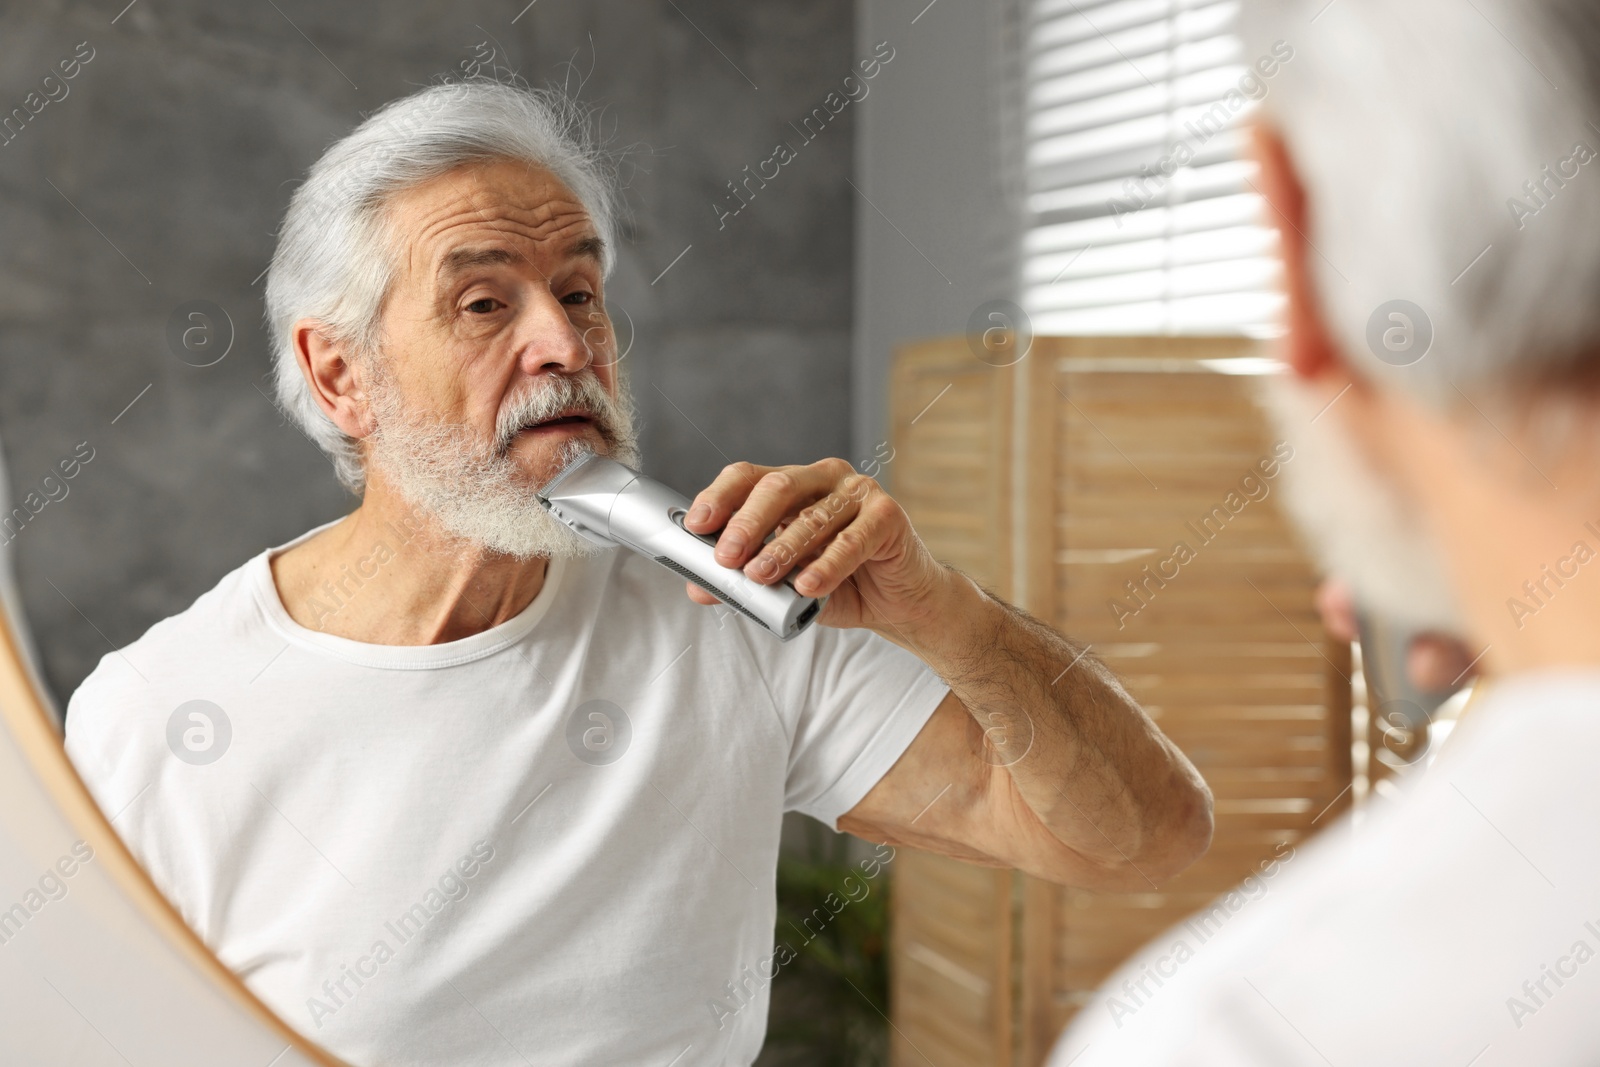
point(579, 394)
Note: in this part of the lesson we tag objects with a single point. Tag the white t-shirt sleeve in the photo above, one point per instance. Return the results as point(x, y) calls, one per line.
point(853, 702)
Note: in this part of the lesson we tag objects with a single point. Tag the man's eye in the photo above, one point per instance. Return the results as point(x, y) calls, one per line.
point(579, 297)
point(482, 306)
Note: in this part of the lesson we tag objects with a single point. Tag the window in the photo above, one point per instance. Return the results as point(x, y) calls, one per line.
point(1140, 214)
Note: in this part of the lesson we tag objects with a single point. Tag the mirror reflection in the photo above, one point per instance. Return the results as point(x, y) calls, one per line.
point(841, 533)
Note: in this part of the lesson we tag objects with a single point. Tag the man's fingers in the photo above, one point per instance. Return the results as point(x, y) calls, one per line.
point(1338, 610)
point(1435, 662)
point(700, 596)
point(776, 495)
point(713, 504)
point(848, 550)
point(803, 538)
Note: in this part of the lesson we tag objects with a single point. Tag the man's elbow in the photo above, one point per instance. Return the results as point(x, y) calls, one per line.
point(1180, 833)
point(1175, 833)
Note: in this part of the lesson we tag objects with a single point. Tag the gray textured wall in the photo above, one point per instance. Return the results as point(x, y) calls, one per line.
point(938, 166)
point(161, 174)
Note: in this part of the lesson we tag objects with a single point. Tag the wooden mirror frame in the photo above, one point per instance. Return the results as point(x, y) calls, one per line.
point(209, 1015)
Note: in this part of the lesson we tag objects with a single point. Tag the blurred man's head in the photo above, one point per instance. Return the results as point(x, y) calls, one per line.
point(437, 300)
point(1432, 170)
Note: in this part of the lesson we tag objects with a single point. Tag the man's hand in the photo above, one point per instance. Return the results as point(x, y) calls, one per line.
point(1434, 661)
point(837, 532)
point(1037, 758)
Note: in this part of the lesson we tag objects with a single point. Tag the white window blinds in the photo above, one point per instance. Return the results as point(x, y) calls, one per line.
point(1141, 215)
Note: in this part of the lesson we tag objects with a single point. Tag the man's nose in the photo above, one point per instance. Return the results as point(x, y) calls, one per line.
point(552, 342)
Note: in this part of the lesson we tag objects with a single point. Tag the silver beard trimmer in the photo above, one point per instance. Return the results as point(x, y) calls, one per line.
point(612, 504)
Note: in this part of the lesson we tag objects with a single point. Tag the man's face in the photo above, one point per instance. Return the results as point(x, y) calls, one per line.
point(498, 361)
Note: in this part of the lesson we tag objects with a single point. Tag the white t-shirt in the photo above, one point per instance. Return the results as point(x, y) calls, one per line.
point(1458, 925)
point(551, 842)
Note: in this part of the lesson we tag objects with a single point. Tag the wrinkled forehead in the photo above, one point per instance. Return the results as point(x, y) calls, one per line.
point(485, 213)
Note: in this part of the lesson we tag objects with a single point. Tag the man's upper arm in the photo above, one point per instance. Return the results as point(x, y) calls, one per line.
point(933, 797)
point(852, 702)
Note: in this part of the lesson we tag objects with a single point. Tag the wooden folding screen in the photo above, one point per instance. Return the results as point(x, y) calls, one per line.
point(1056, 482)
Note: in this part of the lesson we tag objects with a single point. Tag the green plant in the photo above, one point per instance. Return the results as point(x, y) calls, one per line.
point(830, 1002)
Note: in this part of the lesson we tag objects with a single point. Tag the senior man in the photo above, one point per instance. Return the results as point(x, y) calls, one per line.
point(446, 783)
point(1438, 153)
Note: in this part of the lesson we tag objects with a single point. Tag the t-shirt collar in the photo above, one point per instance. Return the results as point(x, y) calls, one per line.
point(397, 657)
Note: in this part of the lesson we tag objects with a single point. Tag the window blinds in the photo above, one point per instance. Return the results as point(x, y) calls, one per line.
point(1120, 238)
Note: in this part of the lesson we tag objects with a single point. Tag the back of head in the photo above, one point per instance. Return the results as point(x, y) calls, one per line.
point(1449, 159)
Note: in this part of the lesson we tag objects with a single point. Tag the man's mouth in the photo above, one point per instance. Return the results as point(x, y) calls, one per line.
point(566, 423)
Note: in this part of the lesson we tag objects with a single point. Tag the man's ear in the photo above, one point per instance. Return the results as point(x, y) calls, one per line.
point(335, 382)
point(1308, 349)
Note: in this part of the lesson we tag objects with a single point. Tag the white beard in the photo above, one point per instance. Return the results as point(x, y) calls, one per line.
point(476, 490)
point(1357, 524)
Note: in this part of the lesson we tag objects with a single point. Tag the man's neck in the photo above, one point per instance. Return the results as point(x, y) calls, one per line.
point(1525, 554)
point(389, 574)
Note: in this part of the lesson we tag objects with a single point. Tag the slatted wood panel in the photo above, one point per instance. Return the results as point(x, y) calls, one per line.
point(951, 979)
point(1225, 650)
point(1122, 446)
point(951, 427)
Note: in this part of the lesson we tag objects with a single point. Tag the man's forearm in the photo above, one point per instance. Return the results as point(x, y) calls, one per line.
point(1080, 752)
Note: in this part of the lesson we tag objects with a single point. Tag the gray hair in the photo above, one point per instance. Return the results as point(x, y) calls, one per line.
point(334, 259)
point(1416, 128)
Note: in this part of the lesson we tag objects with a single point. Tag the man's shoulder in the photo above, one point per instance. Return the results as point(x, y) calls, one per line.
point(215, 617)
point(144, 673)
point(1456, 857)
